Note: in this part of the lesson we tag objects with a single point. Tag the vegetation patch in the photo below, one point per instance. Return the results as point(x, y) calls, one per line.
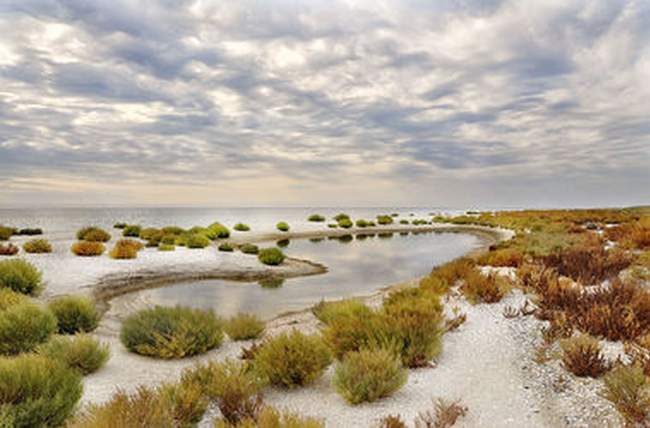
point(171, 332)
point(480, 288)
point(197, 241)
point(241, 227)
point(249, 249)
point(282, 226)
point(345, 223)
point(74, 314)
point(583, 357)
point(37, 246)
point(23, 327)
point(292, 359)
point(628, 389)
point(125, 249)
point(166, 247)
point(132, 231)
point(368, 375)
point(269, 417)
point(227, 247)
point(326, 312)
point(244, 327)
point(120, 225)
point(21, 276)
point(88, 248)
point(6, 233)
point(9, 298)
point(384, 220)
point(93, 234)
point(316, 218)
point(271, 256)
point(218, 230)
point(81, 352)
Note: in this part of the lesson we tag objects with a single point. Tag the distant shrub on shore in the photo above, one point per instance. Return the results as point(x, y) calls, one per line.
point(37, 391)
point(6, 233)
point(270, 256)
point(132, 231)
point(227, 247)
point(244, 327)
point(171, 332)
point(326, 312)
point(345, 223)
point(384, 219)
point(23, 327)
point(21, 276)
point(341, 216)
point(197, 241)
point(125, 249)
point(93, 234)
point(149, 233)
point(480, 288)
point(368, 375)
point(168, 239)
point(361, 223)
point(316, 218)
point(219, 230)
point(282, 226)
point(30, 231)
point(506, 257)
point(249, 249)
point(241, 227)
point(403, 221)
point(81, 352)
point(37, 246)
point(119, 225)
point(8, 249)
point(88, 248)
point(74, 314)
point(166, 247)
point(332, 225)
point(292, 359)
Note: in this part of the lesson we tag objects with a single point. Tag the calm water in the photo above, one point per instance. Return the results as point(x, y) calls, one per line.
point(358, 267)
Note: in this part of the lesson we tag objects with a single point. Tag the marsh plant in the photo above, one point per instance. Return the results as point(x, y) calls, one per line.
point(93, 234)
point(241, 227)
point(244, 327)
point(81, 352)
point(282, 226)
point(131, 231)
point(88, 248)
point(227, 247)
point(74, 314)
point(316, 218)
point(271, 256)
point(197, 241)
point(23, 327)
point(171, 332)
point(37, 246)
point(249, 249)
point(21, 276)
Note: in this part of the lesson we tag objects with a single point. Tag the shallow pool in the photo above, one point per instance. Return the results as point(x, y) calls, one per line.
point(357, 266)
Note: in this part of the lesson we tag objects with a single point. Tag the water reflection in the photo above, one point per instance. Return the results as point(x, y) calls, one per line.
point(359, 267)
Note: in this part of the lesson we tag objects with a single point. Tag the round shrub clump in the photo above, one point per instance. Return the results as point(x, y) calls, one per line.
point(74, 314)
point(88, 248)
point(271, 256)
point(8, 250)
point(316, 218)
point(81, 352)
point(384, 219)
point(219, 230)
point(132, 230)
point(369, 375)
point(9, 298)
point(249, 249)
point(6, 233)
point(171, 332)
point(244, 327)
point(94, 234)
point(292, 359)
point(283, 226)
point(168, 239)
point(23, 327)
point(125, 249)
point(226, 246)
point(361, 223)
point(36, 391)
point(197, 241)
point(345, 223)
point(37, 246)
point(21, 276)
point(241, 227)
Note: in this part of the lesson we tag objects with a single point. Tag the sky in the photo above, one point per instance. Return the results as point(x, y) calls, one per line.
point(325, 103)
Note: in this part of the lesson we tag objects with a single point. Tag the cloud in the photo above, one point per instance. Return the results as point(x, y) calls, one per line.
point(463, 103)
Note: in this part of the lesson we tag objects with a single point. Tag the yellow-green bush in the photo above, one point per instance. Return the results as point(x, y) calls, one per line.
point(345, 223)
point(93, 234)
point(368, 375)
point(37, 246)
point(316, 218)
point(37, 391)
point(282, 226)
point(81, 352)
point(21, 276)
point(226, 247)
point(171, 332)
point(132, 231)
point(88, 248)
point(270, 256)
point(269, 417)
point(197, 241)
point(241, 227)
point(166, 247)
point(628, 389)
point(8, 249)
point(23, 327)
point(74, 314)
point(292, 359)
point(328, 311)
point(244, 327)
point(125, 249)
point(9, 298)
point(218, 230)
point(6, 233)
point(249, 249)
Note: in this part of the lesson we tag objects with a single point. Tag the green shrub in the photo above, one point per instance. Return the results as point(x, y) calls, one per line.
point(172, 230)
point(125, 249)
point(628, 389)
point(81, 352)
point(21, 276)
point(37, 246)
point(316, 218)
point(244, 327)
point(6, 233)
point(166, 247)
point(403, 221)
point(271, 256)
point(150, 233)
point(171, 332)
point(74, 314)
point(269, 417)
point(282, 226)
point(480, 288)
point(249, 249)
point(37, 391)
point(326, 312)
point(219, 230)
point(241, 227)
point(119, 225)
point(23, 327)
point(132, 230)
point(8, 249)
point(9, 298)
point(88, 248)
point(168, 239)
point(93, 234)
point(292, 359)
point(361, 223)
point(332, 225)
point(341, 216)
point(345, 223)
point(384, 219)
point(226, 246)
point(368, 375)
point(197, 241)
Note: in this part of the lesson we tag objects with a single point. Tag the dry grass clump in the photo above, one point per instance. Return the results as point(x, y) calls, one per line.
point(8, 249)
point(328, 311)
point(480, 288)
point(445, 415)
point(126, 249)
point(6, 233)
point(93, 234)
point(590, 264)
point(21, 276)
point(81, 352)
point(241, 227)
point(368, 375)
point(88, 248)
point(9, 298)
point(631, 235)
point(37, 392)
point(244, 327)
point(582, 356)
point(74, 314)
point(132, 231)
point(628, 389)
point(171, 332)
point(453, 271)
point(269, 417)
point(23, 327)
point(292, 359)
point(504, 257)
point(37, 246)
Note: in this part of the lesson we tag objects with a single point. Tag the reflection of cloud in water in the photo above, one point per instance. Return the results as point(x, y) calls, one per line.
point(355, 268)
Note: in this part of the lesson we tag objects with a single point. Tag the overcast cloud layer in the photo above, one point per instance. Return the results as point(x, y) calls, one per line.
point(417, 102)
